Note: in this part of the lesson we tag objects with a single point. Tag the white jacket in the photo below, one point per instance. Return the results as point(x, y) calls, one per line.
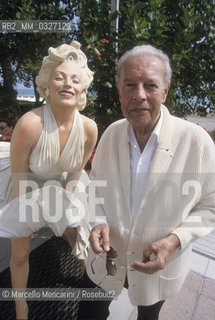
point(179, 197)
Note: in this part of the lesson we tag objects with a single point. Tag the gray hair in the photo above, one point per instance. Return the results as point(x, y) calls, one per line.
point(57, 55)
point(145, 50)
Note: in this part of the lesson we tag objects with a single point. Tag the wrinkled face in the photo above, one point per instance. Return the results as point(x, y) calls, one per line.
point(5, 130)
point(65, 84)
point(142, 90)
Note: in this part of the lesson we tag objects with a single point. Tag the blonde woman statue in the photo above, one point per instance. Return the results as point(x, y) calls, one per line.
point(48, 142)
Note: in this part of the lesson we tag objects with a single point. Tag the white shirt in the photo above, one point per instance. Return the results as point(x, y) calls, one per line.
point(140, 164)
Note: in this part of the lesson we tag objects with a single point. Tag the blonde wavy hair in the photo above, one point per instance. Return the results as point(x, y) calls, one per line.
point(57, 55)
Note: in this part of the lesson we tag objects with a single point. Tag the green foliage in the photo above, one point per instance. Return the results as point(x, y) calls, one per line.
point(98, 39)
point(183, 29)
point(22, 53)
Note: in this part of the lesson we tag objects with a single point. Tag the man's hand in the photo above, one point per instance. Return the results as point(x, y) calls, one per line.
point(157, 254)
point(99, 238)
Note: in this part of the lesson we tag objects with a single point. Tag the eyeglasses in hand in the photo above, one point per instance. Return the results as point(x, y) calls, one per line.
point(110, 264)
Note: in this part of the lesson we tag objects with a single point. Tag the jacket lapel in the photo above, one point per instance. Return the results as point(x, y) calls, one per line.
point(124, 167)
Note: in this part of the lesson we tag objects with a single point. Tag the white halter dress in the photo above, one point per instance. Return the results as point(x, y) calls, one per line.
point(47, 203)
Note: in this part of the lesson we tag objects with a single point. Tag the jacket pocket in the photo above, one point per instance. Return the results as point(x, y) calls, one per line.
point(171, 285)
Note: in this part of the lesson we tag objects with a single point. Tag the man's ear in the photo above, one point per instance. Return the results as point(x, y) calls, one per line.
point(165, 91)
point(117, 86)
point(118, 90)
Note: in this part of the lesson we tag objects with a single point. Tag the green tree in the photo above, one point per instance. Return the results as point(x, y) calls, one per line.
point(21, 53)
point(98, 38)
point(183, 29)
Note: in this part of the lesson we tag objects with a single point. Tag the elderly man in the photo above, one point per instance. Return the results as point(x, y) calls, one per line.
point(159, 196)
